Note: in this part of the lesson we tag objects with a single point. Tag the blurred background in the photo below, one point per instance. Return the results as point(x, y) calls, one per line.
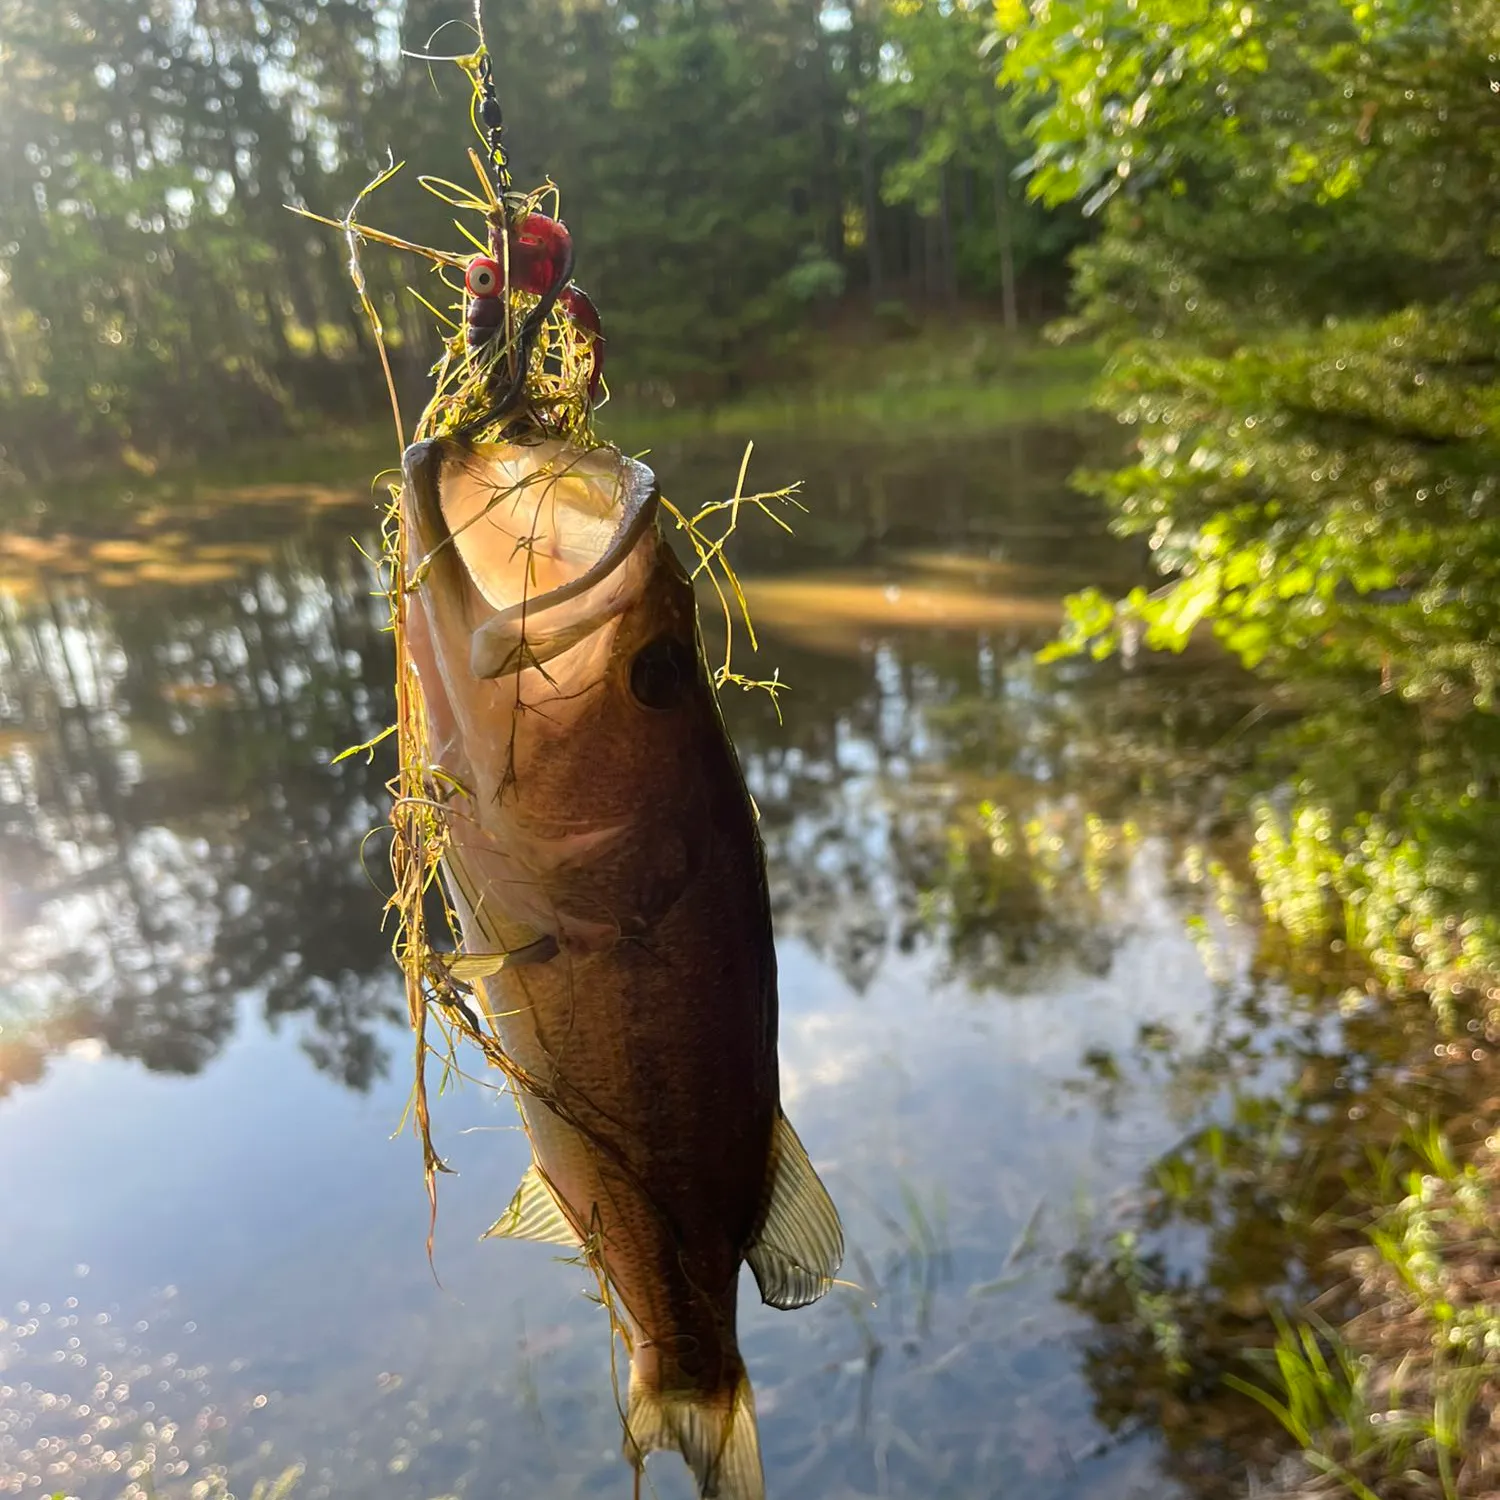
point(1132, 808)
point(730, 172)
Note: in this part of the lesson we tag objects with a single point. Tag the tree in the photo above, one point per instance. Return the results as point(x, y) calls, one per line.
point(1297, 279)
point(728, 168)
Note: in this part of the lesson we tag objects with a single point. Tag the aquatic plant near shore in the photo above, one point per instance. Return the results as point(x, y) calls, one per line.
point(1398, 1401)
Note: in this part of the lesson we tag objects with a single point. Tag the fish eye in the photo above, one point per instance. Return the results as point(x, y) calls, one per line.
point(662, 672)
point(482, 277)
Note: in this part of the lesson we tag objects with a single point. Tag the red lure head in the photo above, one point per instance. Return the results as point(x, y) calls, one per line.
point(540, 255)
point(539, 252)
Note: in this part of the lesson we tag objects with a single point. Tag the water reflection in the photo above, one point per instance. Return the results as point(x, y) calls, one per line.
point(1284, 1111)
point(175, 679)
point(1022, 1014)
point(172, 838)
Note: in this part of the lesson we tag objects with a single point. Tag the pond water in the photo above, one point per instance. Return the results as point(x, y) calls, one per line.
point(995, 1022)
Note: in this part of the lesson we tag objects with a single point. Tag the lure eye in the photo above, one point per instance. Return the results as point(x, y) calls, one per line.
point(483, 277)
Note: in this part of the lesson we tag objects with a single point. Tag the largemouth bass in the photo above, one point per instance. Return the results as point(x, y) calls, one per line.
point(602, 838)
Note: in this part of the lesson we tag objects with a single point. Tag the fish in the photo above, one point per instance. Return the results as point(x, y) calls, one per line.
point(603, 858)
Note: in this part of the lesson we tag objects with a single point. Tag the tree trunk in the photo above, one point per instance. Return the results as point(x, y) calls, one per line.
point(1003, 233)
point(871, 208)
point(949, 271)
point(829, 189)
point(920, 274)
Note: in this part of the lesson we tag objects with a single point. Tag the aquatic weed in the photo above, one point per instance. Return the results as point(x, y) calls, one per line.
point(1153, 1303)
point(1403, 1389)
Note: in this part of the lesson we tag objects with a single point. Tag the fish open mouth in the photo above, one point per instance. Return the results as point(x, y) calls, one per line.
point(542, 534)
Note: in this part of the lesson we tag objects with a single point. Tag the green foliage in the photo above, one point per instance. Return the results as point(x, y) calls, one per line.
point(815, 278)
point(729, 168)
point(686, 216)
point(1298, 282)
point(951, 138)
point(1297, 286)
point(1324, 498)
point(147, 151)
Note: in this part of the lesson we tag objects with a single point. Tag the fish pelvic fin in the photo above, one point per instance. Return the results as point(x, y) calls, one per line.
point(800, 1244)
point(534, 1214)
point(714, 1431)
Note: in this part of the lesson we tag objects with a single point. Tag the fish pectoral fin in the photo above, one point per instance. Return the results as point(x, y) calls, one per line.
point(471, 966)
point(800, 1245)
point(534, 1214)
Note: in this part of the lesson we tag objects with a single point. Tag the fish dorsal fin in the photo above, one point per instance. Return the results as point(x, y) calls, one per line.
point(800, 1245)
point(534, 1215)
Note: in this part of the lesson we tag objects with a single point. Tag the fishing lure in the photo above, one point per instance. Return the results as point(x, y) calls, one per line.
point(537, 251)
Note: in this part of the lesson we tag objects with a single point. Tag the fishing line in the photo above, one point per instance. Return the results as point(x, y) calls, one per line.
point(492, 118)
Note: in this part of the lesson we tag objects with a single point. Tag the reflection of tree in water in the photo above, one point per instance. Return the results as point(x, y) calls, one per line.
point(172, 835)
point(1285, 1101)
point(871, 797)
point(842, 847)
point(857, 789)
point(989, 492)
point(1007, 799)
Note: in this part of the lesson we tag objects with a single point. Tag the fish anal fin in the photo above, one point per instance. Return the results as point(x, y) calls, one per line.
point(714, 1431)
point(800, 1244)
point(534, 1214)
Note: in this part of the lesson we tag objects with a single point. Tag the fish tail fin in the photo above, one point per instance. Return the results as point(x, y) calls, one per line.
point(713, 1430)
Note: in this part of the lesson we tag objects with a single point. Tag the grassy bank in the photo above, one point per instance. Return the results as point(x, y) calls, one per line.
point(1399, 1401)
point(861, 380)
point(950, 376)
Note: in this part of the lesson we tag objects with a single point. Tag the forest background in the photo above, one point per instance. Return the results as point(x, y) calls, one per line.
point(732, 170)
point(1278, 221)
